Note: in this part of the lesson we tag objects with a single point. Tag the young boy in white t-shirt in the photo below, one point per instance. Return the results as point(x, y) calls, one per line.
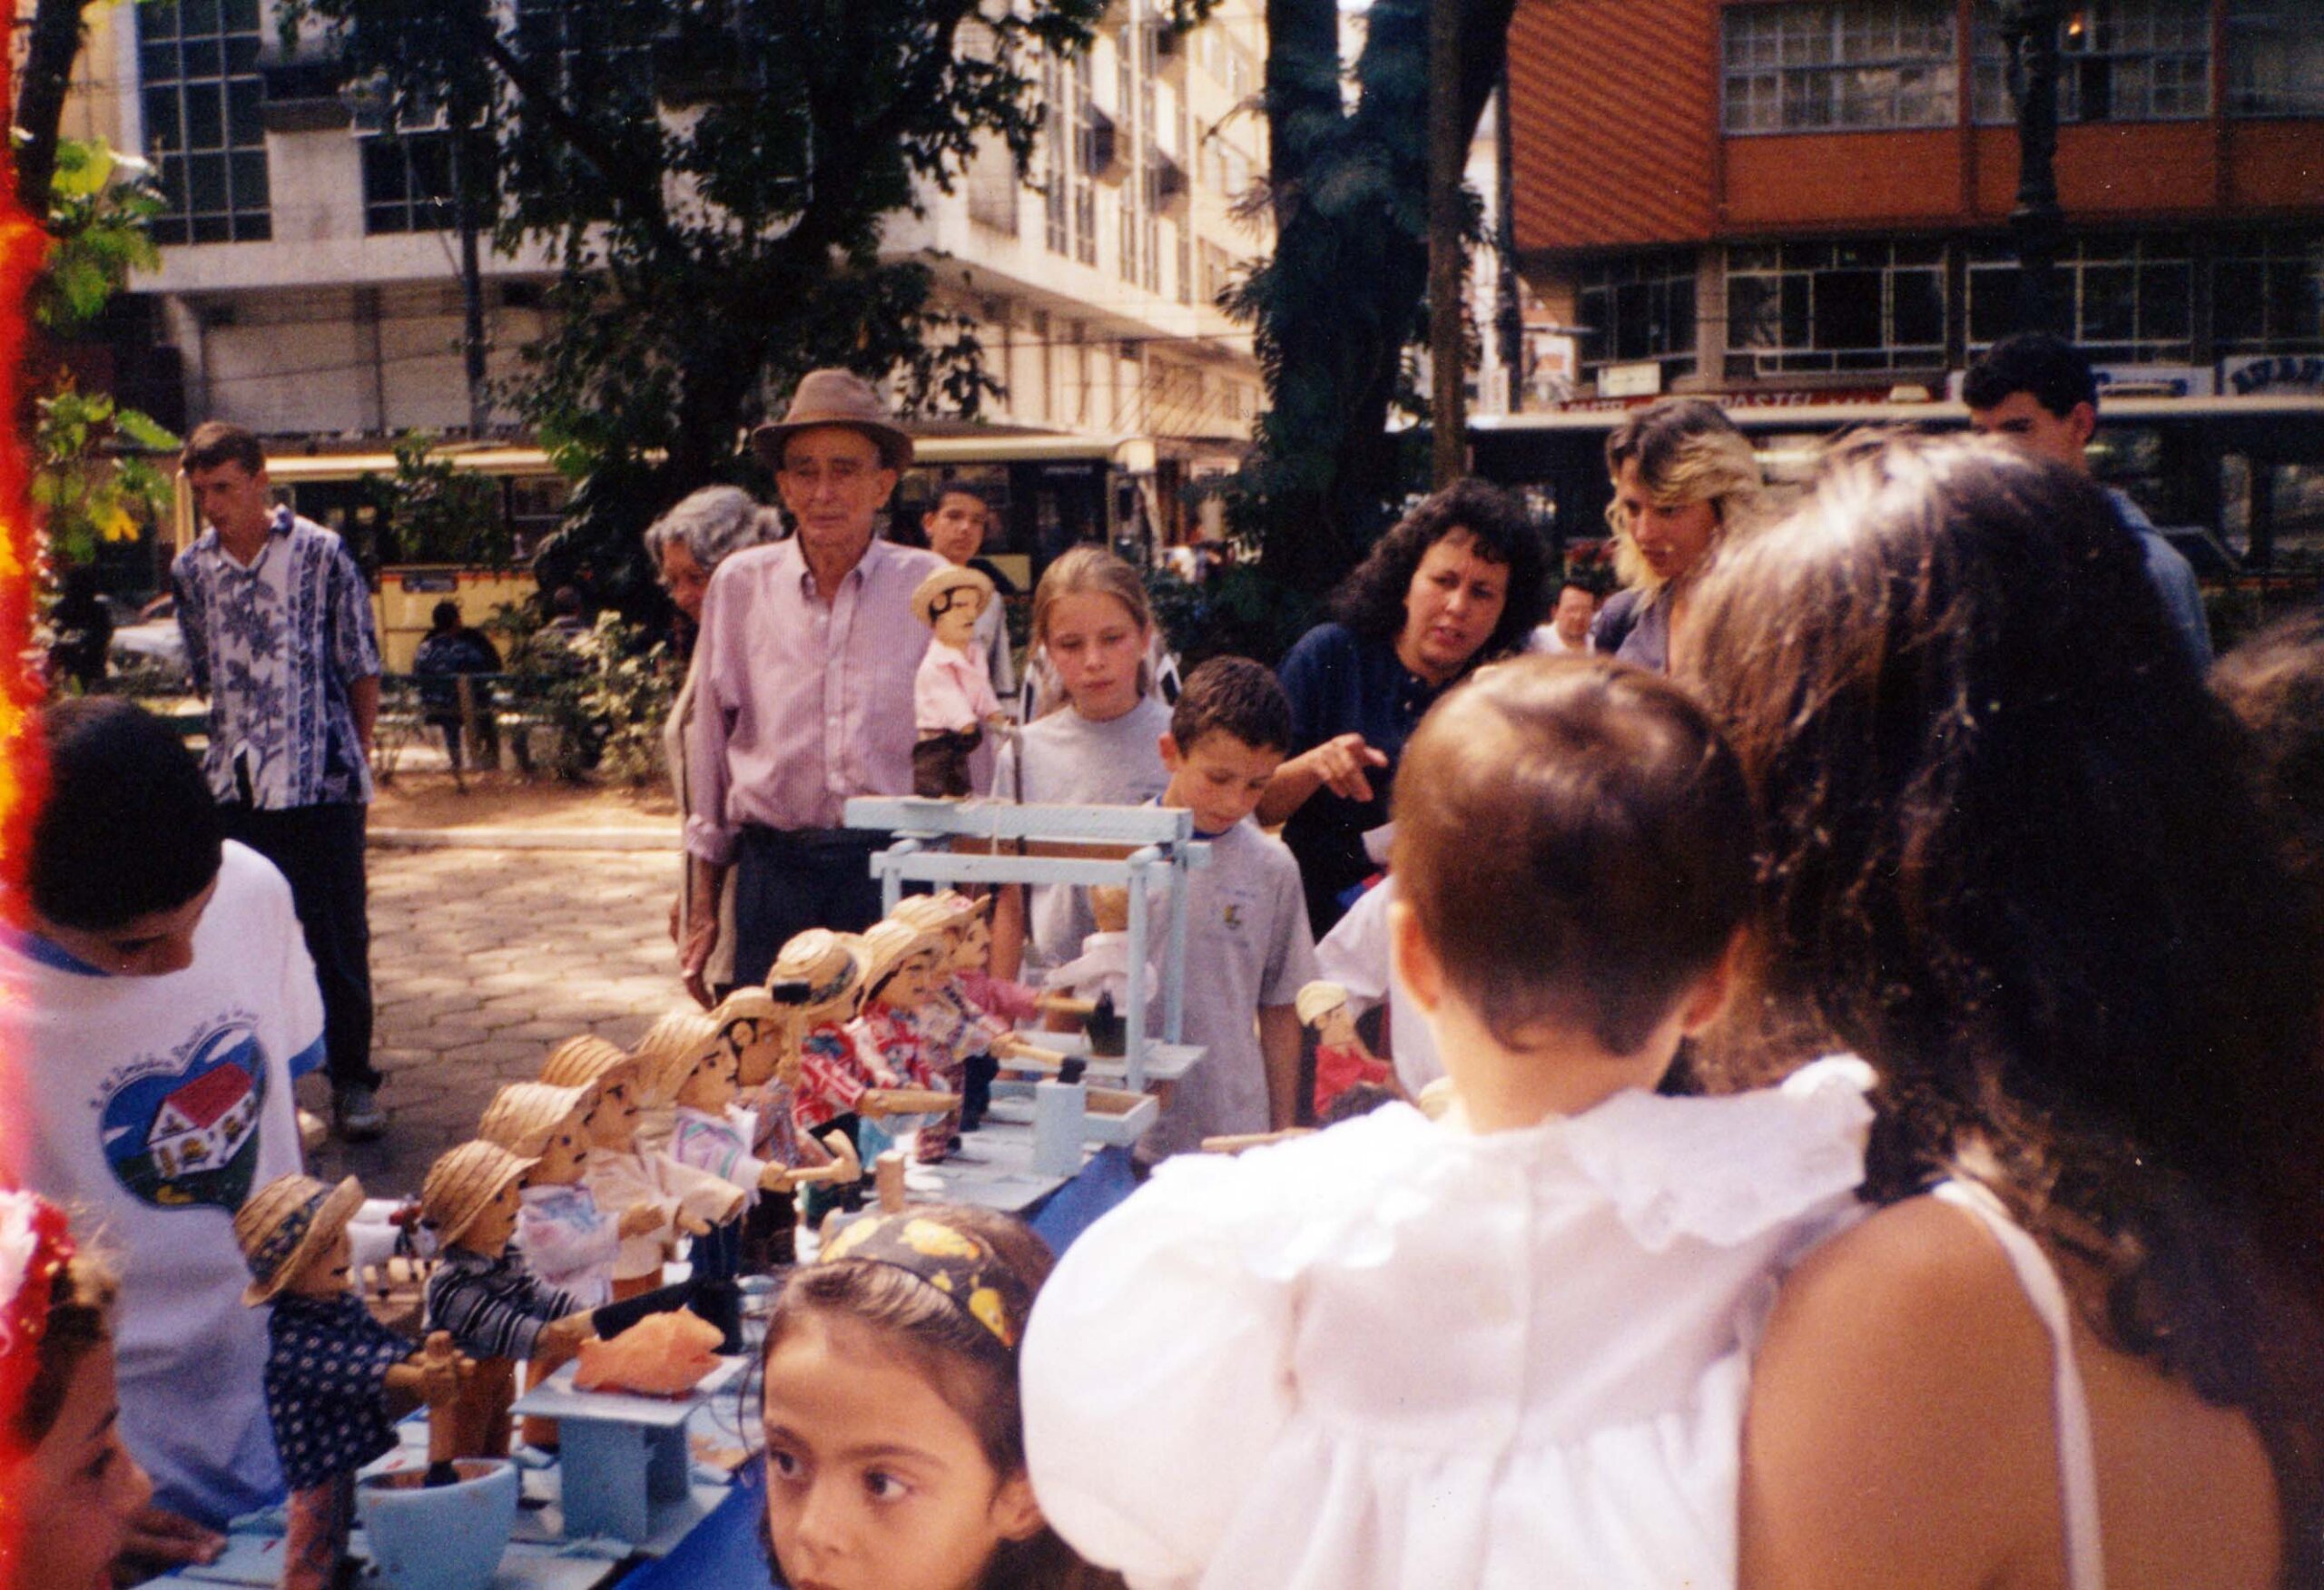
point(160, 1001)
point(1248, 948)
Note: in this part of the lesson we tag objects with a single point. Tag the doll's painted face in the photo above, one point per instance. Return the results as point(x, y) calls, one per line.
point(972, 945)
point(566, 1153)
point(1336, 1027)
point(711, 1085)
point(838, 1008)
point(912, 983)
point(489, 1233)
point(327, 1271)
point(613, 1124)
point(757, 1045)
point(956, 624)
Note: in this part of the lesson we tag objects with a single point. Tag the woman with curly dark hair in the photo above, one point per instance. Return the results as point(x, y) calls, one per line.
point(1458, 581)
point(2013, 859)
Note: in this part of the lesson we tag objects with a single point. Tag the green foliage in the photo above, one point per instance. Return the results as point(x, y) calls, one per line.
point(85, 489)
point(627, 692)
point(434, 512)
point(1341, 299)
point(99, 205)
point(713, 178)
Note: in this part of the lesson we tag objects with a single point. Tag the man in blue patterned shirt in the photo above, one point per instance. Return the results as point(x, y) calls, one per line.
point(278, 635)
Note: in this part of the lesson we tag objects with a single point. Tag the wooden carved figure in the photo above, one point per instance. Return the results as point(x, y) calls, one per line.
point(1342, 1060)
point(335, 1378)
point(496, 1310)
point(970, 1019)
point(653, 1198)
point(566, 1239)
point(951, 694)
point(761, 1033)
point(904, 968)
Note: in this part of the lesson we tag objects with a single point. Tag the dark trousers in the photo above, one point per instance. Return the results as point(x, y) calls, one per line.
point(787, 880)
point(320, 848)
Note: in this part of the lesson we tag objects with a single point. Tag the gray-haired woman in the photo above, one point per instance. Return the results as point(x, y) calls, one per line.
point(687, 545)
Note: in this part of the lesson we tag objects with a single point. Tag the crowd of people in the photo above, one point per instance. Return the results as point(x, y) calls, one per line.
point(1854, 1110)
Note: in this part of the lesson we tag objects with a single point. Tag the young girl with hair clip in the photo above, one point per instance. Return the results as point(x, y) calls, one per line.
point(1511, 1347)
point(895, 1451)
point(1093, 624)
point(2012, 858)
point(69, 1492)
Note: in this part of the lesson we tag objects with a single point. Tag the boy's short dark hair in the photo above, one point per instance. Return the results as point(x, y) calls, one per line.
point(215, 442)
point(1236, 696)
point(129, 826)
point(1575, 839)
point(2049, 368)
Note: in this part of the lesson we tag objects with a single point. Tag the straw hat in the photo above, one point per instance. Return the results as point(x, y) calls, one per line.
point(287, 1223)
point(834, 397)
point(945, 581)
point(523, 1116)
point(888, 944)
point(585, 1062)
point(1315, 999)
point(937, 913)
point(830, 964)
point(750, 1002)
point(461, 1185)
point(673, 1046)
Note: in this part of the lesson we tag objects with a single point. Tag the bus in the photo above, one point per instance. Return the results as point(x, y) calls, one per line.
point(2237, 482)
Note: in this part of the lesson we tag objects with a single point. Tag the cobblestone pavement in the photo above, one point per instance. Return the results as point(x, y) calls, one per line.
point(483, 959)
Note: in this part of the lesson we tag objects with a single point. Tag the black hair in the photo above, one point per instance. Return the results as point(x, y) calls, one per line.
point(444, 615)
point(215, 442)
point(1232, 695)
point(129, 826)
point(2050, 368)
point(1371, 600)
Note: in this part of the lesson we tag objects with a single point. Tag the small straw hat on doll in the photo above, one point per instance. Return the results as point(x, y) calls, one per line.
point(937, 913)
point(887, 945)
point(1315, 999)
point(942, 583)
point(287, 1223)
point(524, 1115)
point(461, 1185)
point(672, 1048)
point(585, 1062)
point(831, 965)
point(748, 1003)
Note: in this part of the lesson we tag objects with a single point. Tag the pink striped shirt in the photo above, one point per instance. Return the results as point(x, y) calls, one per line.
point(802, 703)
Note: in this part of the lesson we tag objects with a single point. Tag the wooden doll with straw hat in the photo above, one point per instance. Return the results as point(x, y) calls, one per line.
point(841, 1081)
point(951, 691)
point(496, 1310)
point(902, 968)
point(335, 1378)
point(762, 1032)
point(566, 1239)
point(969, 1019)
point(625, 1176)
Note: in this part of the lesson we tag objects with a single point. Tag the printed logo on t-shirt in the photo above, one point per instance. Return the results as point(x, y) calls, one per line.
point(180, 1134)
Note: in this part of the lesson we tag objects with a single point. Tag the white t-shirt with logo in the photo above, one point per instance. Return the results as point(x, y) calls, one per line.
point(150, 1108)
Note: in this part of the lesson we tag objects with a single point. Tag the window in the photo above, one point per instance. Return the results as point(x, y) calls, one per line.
point(407, 184)
point(2275, 58)
point(1640, 307)
point(2267, 293)
point(2118, 61)
point(197, 62)
point(2133, 298)
point(1840, 67)
point(1799, 307)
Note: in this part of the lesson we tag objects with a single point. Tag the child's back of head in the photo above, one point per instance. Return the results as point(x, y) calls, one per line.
point(129, 826)
point(1574, 839)
point(1235, 696)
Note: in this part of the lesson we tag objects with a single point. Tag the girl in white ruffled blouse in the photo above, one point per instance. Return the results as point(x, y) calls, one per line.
point(1510, 1347)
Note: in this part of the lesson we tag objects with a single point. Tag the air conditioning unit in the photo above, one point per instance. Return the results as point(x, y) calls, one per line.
point(1165, 183)
point(1100, 146)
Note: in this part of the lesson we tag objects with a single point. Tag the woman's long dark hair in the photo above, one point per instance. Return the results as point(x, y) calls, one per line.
point(2014, 860)
point(1371, 599)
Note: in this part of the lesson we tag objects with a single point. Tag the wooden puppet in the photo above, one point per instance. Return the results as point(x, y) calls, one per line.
point(625, 1176)
point(760, 1029)
point(1342, 1060)
point(335, 1378)
point(495, 1308)
point(952, 699)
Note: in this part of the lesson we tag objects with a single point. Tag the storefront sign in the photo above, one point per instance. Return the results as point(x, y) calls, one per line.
point(2284, 374)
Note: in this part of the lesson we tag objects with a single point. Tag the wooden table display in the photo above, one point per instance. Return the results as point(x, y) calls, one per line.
point(621, 1456)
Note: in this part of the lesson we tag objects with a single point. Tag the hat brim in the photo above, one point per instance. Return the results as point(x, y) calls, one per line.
point(895, 447)
point(338, 1209)
point(518, 1168)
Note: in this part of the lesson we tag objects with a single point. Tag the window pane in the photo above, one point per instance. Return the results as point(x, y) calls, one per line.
point(205, 117)
point(2109, 304)
point(161, 129)
point(2239, 292)
point(1848, 308)
point(248, 170)
point(206, 182)
point(1918, 312)
point(2166, 302)
point(244, 124)
point(1992, 304)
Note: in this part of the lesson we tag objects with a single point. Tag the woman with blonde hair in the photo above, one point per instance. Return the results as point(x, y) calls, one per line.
point(1684, 479)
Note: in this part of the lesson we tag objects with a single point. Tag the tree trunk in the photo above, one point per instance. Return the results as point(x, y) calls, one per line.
point(50, 46)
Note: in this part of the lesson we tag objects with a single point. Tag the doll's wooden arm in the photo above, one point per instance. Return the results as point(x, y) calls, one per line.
point(843, 1168)
point(1237, 1142)
point(640, 1219)
point(903, 1100)
point(1024, 1052)
point(1065, 1005)
point(443, 1419)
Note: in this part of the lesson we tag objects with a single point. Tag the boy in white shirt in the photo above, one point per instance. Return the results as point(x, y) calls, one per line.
point(161, 1002)
point(1248, 948)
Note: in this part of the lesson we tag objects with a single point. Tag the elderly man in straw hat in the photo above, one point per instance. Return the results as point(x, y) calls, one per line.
point(804, 686)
